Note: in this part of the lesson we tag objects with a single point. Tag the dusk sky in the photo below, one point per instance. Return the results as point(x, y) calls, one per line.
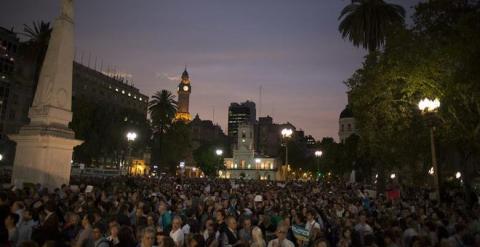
point(291, 48)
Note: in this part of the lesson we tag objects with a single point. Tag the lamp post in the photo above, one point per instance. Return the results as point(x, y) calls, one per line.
point(318, 154)
point(131, 136)
point(429, 108)
point(219, 153)
point(286, 134)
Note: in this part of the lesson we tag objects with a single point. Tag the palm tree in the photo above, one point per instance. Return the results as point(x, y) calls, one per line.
point(38, 33)
point(162, 108)
point(39, 36)
point(366, 22)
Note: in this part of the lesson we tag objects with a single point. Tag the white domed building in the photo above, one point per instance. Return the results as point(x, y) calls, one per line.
point(346, 124)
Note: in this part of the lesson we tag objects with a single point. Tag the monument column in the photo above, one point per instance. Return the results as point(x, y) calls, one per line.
point(45, 145)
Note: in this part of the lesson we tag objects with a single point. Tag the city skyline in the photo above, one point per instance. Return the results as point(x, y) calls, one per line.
point(292, 50)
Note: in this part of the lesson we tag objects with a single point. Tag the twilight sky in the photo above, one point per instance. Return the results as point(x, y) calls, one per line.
point(291, 48)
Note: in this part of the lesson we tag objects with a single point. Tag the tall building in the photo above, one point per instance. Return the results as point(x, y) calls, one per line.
point(245, 163)
point(240, 113)
point(268, 137)
point(346, 124)
point(184, 90)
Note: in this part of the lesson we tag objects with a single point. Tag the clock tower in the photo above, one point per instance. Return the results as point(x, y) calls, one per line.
point(184, 90)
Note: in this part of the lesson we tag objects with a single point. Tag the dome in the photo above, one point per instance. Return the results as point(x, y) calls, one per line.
point(346, 113)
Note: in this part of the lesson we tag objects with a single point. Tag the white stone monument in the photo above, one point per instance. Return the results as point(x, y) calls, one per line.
point(45, 145)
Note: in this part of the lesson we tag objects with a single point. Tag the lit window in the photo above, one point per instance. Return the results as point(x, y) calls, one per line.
point(135, 96)
point(116, 89)
point(123, 91)
point(129, 94)
point(140, 99)
point(271, 166)
point(249, 166)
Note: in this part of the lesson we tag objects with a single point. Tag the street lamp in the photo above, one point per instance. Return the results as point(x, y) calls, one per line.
point(286, 133)
point(429, 108)
point(219, 153)
point(131, 136)
point(393, 175)
point(318, 154)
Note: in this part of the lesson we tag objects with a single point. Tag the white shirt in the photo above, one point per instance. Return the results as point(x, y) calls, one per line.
point(178, 237)
point(284, 243)
point(312, 224)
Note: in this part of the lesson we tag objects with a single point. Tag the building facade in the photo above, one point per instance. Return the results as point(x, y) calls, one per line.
point(12, 104)
point(346, 124)
point(184, 90)
point(95, 86)
point(245, 163)
point(205, 131)
point(239, 113)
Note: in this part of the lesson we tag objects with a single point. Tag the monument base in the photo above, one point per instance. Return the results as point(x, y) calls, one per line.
point(43, 155)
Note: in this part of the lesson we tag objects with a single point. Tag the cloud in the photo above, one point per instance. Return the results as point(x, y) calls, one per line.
point(118, 74)
point(163, 76)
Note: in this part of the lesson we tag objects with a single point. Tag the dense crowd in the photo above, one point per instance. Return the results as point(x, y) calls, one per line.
point(170, 211)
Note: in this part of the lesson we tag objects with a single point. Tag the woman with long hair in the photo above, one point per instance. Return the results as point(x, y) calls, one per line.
point(257, 238)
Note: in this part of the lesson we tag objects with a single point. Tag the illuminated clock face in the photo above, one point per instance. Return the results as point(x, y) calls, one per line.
point(185, 88)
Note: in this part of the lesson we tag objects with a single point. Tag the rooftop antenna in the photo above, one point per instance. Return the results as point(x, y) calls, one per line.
point(260, 102)
point(95, 63)
point(81, 57)
point(89, 55)
point(101, 65)
point(213, 113)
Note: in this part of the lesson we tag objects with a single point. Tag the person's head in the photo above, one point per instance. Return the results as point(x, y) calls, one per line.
point(114, 228)
point(88, 220)
point(220, 215)
point(247, 223)
point(50, 207)
point(74, 219)
point(231, 223)
point(166, 241)
point(27, 243)
point(126, 236)
point(197, 240)
point(310, 214)
point(150, 220)
point(148, 237)
point(257, 234)
point(281, 232)
point(162, 207)
point(27, 214)
point(98, 232)
point(11, 220)
point(18, 205)
point(362, 219)
point(176, 223)
point(3, 198)
point(210, 226)
point(320, 243)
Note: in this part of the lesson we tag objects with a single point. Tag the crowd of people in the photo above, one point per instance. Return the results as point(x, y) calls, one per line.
point(201, 212)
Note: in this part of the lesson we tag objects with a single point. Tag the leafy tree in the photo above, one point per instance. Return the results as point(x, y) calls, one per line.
point(366, 22)
point(433, 58)
point(176, 145)
point(205, 157)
